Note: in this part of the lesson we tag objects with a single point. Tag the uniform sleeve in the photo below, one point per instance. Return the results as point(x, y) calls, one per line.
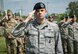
point(65, 24)
point(19, 29)
point(58, 43)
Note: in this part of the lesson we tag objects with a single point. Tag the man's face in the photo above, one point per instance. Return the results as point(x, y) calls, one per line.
point(10, 15)
point(50, 18)
point(40, 13)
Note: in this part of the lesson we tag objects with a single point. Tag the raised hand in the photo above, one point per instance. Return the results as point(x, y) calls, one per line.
point(29, 16)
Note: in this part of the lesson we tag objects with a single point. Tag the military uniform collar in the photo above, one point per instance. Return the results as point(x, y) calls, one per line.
point(40, 26)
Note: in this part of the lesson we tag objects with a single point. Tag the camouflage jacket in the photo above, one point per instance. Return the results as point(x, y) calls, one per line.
point(8, 25)
point(63, 26)
point(42, 38)
point(73, 31)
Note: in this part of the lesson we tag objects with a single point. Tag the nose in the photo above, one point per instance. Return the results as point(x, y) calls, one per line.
point(40, 12)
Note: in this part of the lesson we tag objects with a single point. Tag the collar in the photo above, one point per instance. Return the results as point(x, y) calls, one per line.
point(40, 26)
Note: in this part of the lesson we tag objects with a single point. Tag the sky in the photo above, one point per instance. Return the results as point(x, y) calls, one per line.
point(52, 6)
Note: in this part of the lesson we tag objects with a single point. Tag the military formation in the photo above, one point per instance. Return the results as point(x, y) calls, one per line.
point(15, 45)
point(68, 30)
point(39, 35)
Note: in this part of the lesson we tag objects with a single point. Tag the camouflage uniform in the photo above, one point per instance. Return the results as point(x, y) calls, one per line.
point(70, 42)
point(63, 26)
point(20, 45)
point(10, 40)
point(20, 41)
point(74, 34)
point(41, 38)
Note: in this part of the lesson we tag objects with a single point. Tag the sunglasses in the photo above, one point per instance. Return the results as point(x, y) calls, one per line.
point(16, 19)
point(9, 15)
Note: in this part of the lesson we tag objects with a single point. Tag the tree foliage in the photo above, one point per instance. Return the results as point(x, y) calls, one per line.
point(72, 8)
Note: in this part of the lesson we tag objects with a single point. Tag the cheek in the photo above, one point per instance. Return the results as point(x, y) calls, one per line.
point(43, 14)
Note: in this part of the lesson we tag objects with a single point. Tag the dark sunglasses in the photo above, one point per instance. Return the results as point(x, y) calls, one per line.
point(9, 15)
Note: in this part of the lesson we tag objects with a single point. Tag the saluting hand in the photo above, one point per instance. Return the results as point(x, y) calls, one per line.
point(29, 16)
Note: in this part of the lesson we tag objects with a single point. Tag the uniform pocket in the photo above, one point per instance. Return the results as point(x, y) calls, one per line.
point(33, 32)
point(49, 36)
point(49, 41)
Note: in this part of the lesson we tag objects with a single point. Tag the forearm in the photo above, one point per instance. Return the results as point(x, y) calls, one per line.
point(19, 29)
point(65, 24)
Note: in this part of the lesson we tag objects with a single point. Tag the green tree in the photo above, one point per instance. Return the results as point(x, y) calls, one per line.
point(72, 8)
